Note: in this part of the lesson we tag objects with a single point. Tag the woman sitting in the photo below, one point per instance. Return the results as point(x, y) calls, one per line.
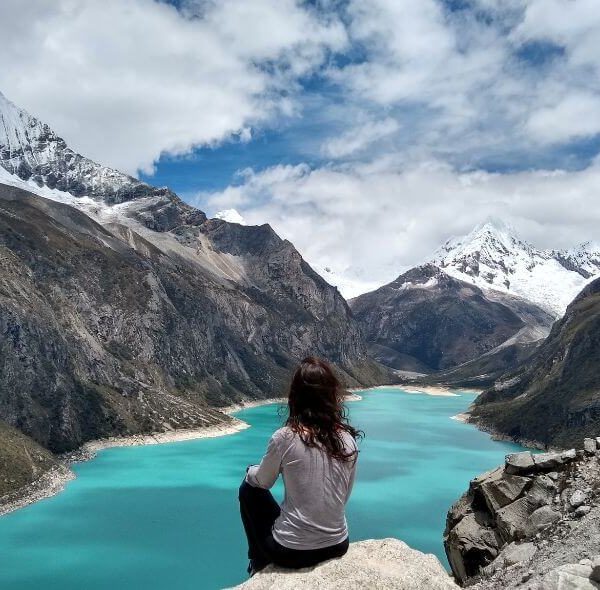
point(316, 454)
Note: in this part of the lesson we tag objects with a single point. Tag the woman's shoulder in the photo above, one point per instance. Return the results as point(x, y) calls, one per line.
point(285, 433)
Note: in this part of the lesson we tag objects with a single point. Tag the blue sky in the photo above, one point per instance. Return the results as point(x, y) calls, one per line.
point(365, 131)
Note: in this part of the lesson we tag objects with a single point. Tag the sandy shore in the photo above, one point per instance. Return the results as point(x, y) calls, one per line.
point(440, 390)
point(159, 438)
point(252, 404)
point(464, 417)
point(49, 484)
point(54, 481)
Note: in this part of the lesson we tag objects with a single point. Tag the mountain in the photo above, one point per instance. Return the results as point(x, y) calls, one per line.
point(32, 151)
point(124, 310)
point(554, 398)
point(492, 257)
point(427, 320)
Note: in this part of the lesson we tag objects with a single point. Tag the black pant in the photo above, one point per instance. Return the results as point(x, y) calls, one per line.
point(259, 511)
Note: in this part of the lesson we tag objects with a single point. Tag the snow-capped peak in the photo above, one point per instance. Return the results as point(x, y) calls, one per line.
point(230, 215)
point(492, 256)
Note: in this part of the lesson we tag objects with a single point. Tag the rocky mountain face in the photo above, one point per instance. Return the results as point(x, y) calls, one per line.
point(426, 320)
point(105, 333)
point(531, 524)
point(494, 258)
point(553, 398)
point(124, 310)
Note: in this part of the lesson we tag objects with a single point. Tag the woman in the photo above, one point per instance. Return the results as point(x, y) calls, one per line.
point(316, 453)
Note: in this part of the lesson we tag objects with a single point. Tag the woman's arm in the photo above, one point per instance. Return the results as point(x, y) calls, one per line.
point(265, 474)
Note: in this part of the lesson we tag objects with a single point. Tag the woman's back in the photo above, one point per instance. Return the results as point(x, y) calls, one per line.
point(316, 453)
point(317, 487)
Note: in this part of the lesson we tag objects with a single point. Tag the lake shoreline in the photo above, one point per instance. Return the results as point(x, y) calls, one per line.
point(54, 480)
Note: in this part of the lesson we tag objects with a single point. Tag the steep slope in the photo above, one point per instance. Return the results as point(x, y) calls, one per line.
point(102, 332)
point(22, 461)
point(492, 257)
point(554, 398)
point(426, 320)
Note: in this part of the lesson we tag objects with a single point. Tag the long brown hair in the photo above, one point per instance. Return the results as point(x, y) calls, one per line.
point(316, 410)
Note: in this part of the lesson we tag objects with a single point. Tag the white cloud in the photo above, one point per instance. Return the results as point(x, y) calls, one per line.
point(359, 138)
point(124, 81)
point(577, 115)
point(369, 222)
point(457, 83)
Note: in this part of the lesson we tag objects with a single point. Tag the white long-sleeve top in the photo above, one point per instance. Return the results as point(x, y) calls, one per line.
point(317, 488)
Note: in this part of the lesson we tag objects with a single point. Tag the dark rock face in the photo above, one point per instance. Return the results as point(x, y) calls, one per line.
point(426, 320)
point(530, 530)
point(508, 508)
point(554, 397)
point(104, 331)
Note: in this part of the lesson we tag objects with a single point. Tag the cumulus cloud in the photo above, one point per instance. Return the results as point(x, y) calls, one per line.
point(369, 222)
point(480, 83)
point(124, 81)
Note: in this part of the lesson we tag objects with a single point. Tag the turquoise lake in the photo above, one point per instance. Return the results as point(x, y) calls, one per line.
point(166, 516)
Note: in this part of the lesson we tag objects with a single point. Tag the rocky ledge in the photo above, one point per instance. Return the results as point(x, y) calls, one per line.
point(532, 524)
point(386, 564)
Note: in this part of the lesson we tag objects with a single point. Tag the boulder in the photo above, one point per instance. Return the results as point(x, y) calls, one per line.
point(386, 564)
point(583, 510)
point(543, 517)
point(519, 463)
point(595, 575)
point(589, 445)
point(470, 545)
point(516, 553)
point(548, 461)
point(500, 490)
point(513, 520)
point(577, 498)
point(571, 576)
point(569, 455)
point(542, 491)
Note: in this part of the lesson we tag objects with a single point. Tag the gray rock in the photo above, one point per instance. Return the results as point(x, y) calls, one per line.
point(513, 520)
point(583, 510)
point(382, 564)
point(547, 461)
point(543, 517)
point(569, 577)
point(471, 544)
point(542, 491)
point(595, 575)
point(577, 498)
point(517, 553)
point(589, 445)
point(519, 463)
point(499, 491)
point(569, 455)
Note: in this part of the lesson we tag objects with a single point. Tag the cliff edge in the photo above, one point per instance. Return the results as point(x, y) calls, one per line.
point(382, 564)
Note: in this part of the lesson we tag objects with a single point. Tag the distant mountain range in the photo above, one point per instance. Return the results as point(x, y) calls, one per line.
point(124, 310)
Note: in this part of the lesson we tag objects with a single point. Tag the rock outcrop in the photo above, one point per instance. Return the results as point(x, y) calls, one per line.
point(553, 398)
point(387, 564)
point(530, 523)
